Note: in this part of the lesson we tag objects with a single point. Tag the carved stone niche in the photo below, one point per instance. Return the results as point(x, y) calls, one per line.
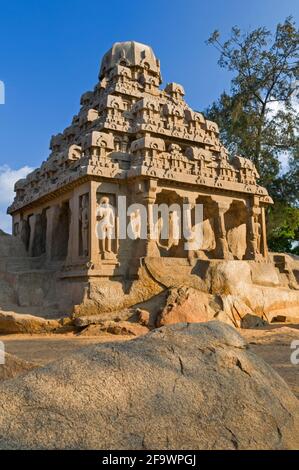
point(175, 90)
point(59, 237)
point(97, 144)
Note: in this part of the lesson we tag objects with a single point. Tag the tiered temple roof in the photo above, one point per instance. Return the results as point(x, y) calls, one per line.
point(127, 127)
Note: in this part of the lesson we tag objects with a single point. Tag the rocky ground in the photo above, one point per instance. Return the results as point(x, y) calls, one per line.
point(155, 376)
point(270, 342)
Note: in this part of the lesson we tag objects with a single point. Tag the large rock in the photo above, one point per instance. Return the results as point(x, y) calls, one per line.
point(187, 386)
point(171, 272)
point(115, 328)
point(112, 295)
point(236, 278)
point(186, 304)
point(14, 366)
point(11, 322)
point(120, 315)
point(235, 312)
point(264, 274)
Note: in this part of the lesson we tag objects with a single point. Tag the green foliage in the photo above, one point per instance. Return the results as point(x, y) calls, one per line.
point(283, 227)
point(259, 118)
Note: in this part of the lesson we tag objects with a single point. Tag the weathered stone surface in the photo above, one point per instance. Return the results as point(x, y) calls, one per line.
point(235, 308)
point(185, 304)
point(238, 313)
point(235, 278)
point(14, 366)
point(252, 321)
point(11, 322)
point(110, 295)
point(264, 274)
point(193, 386)
point(285, 318)
point(115, 328)
point(7, 293)
point(224, 317)
point(227, 277)
point(10, 246)
point(119, 315)
point(173, 272)
point(143, 316)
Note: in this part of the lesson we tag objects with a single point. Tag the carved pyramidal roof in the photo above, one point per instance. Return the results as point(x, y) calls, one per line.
point(127, 127)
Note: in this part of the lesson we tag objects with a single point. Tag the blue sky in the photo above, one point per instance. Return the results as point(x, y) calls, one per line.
point(50, 53)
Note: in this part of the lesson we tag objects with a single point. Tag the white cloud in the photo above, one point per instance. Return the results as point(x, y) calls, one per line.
point(8, 177)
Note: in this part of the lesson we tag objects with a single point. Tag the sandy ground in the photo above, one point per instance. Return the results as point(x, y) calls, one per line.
point(42, 349)
point(272, 343)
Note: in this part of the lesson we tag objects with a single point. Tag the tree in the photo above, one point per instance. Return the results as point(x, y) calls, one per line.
point(259, 119)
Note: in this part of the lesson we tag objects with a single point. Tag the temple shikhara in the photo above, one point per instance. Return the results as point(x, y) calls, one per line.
point(135, 139)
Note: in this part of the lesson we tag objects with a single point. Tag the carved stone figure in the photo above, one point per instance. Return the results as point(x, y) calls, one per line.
point(106, 227)
point(174, 229)
point(135, 222)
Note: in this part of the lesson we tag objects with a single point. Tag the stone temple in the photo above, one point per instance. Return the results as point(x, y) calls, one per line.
point(135, 139)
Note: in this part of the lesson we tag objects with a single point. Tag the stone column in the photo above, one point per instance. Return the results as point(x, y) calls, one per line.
point(32, 223)
point(190, 201)
point(73, 241)
point(254, 211)
point(222, 250)
point(149, 199)
point(25, 232)
point(94, 256)
point(51, 217)
point(264, 246)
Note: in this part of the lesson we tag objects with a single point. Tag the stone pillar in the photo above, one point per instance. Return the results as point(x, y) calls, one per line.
point(252, 251)
point(250, 236)
point(25, 232)
point(73, 241)
point(94, 256)
point(149, 199)
point(151, 246)
point(222, 250)
point(264, 246)
point(51, 218)
point(190, 201)
point(32, 223)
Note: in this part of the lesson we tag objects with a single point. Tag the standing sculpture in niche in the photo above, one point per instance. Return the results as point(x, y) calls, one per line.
point(168, 230)
point(106, 227)
point(135, 224)
point(257, 234)
point(174, 229)
point(84, 219)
